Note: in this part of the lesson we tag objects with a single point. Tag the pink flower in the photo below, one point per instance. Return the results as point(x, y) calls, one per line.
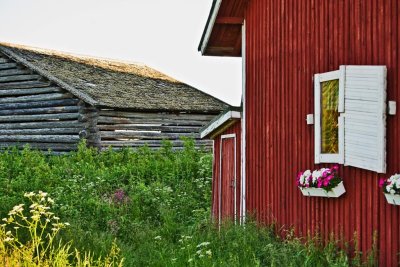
point(382, 182)
point(319, 185)
point(326, 182)
point(335, 167)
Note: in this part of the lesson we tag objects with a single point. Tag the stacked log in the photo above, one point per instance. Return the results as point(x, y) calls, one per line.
point(36, 112)
point(120, 128)
point(40, 113)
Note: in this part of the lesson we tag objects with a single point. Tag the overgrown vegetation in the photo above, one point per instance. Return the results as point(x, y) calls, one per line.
point(155, 205)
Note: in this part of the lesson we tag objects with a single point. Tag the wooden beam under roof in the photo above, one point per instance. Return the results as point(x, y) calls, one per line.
point(229, 20)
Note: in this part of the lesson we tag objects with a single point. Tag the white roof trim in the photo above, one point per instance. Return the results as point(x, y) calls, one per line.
point(210, 26)
point(219, 122)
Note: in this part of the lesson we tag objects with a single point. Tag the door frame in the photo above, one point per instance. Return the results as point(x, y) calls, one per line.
point(223, 137)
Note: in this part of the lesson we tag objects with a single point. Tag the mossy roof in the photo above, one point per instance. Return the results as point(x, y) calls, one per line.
point(114, 84)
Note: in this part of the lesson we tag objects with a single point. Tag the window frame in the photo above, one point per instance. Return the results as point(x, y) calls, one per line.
point(318, 79)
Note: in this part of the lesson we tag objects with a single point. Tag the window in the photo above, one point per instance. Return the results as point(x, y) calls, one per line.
point(327, 118)
point(350, 117)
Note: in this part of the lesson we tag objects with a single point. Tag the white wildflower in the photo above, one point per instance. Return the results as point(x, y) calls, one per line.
point(209, 253)
point(203, 244)
point(8, 239)
point(157, 237)
point(42, 194)
point(30, 194)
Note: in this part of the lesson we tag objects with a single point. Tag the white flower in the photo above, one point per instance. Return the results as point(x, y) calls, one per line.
point(307, 173)
point(8, 233)
point(30, 194)
point(388, 188)
point(203, 244)
point(157, 237)
point(190, 260)
point(302, 179)
point(398, 184)
point(314, 179)
point(8, 239)
point(392, 192)
point(208, 252)
point(316, 174)
point(42, 194)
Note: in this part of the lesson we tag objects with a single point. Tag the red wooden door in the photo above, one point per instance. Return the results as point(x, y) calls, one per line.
point(227, 196)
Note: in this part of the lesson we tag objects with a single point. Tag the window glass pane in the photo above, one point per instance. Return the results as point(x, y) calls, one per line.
point(329, 117)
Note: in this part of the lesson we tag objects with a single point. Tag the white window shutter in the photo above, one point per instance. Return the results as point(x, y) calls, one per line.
point(365, 117)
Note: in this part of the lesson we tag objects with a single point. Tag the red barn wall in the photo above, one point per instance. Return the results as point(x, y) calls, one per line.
point(287, 41)
point(234, 129)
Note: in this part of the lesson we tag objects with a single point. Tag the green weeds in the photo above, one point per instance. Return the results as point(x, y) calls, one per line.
point(155, 205)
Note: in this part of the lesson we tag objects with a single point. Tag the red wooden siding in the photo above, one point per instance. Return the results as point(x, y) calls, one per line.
point(227, 164)
point(287, 41)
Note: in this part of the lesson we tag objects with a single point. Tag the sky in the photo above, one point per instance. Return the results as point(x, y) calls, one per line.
point(163, 34)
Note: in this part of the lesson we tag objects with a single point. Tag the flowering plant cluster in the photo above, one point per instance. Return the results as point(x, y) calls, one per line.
point(325, 178)
point(391, 185)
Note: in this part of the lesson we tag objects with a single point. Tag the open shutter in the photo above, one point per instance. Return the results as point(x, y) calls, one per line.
point(365, 117)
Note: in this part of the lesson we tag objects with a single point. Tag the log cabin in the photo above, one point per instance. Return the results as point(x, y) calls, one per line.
point(291, 51)
point(52, 100)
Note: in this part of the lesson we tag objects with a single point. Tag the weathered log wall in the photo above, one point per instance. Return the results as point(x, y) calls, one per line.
point(130, 128)
point(36, 112)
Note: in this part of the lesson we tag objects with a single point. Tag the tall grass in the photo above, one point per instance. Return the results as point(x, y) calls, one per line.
point(154, 204)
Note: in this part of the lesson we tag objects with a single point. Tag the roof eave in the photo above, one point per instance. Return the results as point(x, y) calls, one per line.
point(209, 26)
point(219, 124)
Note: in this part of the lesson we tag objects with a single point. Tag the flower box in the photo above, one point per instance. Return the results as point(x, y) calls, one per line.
point(392, 199)
point(324, 182)
point(391, 188)
point(320, 192)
